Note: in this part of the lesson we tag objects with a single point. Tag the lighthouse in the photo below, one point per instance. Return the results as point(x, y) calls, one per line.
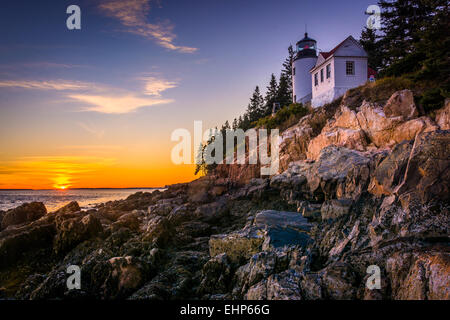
point(304, 60)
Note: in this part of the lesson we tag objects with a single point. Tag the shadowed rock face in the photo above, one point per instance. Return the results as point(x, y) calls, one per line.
point(375, 197)
point(25, 213)
point(443, 116)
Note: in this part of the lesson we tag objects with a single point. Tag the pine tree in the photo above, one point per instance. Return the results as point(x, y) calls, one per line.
point(235, 124)
point(271, 95)
point(369, 41)
point(435, 41)
point(246, 124)
point(287, 69)
point(256, 107)
point(402, 21)
point(283, 93)
point(240, 122)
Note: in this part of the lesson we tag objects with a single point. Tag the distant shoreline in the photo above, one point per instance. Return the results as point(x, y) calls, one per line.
point(133, 188)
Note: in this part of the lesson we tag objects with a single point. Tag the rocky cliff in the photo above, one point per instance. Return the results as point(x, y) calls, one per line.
point(370, 187)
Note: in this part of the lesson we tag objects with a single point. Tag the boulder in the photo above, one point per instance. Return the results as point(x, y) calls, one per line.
point(25, 213)
point(428, 170)
point(71, 207)
point(216, 275)
point(212, 212)
point(310, 210)
point(294, 142)
point(339, 282)
point(443, 116)
point(390, 172)
point(349, 138)
point(282, 286)
point(239, 245)
point(260, 266)
point(377, 127)
point(409, 129)
point(343, 130)
point(334, 208)
point(129, 220)
point(158, 230)
point(73, 230)
point(198, 190)
point(401, 104)
point(17, 242)
point(127, 274)
point(419, 275)
point(339, 173)
point(161, 208)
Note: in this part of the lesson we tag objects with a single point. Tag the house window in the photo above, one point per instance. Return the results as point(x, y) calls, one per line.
point(329, 71)
point(293, 71)
point(316, 80)
point(350, 68)
point(321, 75)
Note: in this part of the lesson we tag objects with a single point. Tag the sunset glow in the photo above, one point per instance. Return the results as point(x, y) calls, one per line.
point(95, 107)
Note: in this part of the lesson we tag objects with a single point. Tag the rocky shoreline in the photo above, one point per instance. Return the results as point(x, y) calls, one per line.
point(372, 188)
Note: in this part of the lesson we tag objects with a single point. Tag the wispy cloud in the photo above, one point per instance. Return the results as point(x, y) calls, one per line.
point(154, 86)
point(98, 97)
point(92, 129)
point(133, 15)
point(93, 147)
point(59, 85)
point(116, 104)
point(41, 65)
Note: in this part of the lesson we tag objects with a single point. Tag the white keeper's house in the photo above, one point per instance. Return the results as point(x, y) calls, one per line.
point(324, 77)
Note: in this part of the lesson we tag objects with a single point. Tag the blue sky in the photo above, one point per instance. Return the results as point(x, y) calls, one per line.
point(184, 60)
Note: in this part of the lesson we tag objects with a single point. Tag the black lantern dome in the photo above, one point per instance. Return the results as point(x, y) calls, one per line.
point(306, 47)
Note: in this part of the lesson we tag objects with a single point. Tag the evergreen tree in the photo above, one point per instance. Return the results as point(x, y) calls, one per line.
point(402, 21)
point(435, 43)
point(369, 41)
point(287, 69)
point(284, 96)
point(256, 107)
point(235, 124)
point(271, 95)
point(240, 122)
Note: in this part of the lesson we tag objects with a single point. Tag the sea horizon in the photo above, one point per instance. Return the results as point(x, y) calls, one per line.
point(53, 199)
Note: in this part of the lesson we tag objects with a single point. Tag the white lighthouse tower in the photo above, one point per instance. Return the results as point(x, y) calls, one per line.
point(304, 60)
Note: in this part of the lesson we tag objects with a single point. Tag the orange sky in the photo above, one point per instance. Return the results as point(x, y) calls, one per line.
point(92, 172)
point(96, 107)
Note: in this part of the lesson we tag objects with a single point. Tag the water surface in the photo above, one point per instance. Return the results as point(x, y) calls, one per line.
point(54, 199)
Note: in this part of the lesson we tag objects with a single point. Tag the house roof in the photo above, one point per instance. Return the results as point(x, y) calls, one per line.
point(328, 54)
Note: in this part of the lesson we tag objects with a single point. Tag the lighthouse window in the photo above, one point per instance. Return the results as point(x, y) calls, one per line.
point(328, 71)
point(350, 68)
point(321, 75)
point(293, 71)
point(316, 80)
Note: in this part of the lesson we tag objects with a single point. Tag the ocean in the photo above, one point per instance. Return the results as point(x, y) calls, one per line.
point(55, 199)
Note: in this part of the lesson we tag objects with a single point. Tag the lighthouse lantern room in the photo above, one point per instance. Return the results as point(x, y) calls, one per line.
point(305, 58)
